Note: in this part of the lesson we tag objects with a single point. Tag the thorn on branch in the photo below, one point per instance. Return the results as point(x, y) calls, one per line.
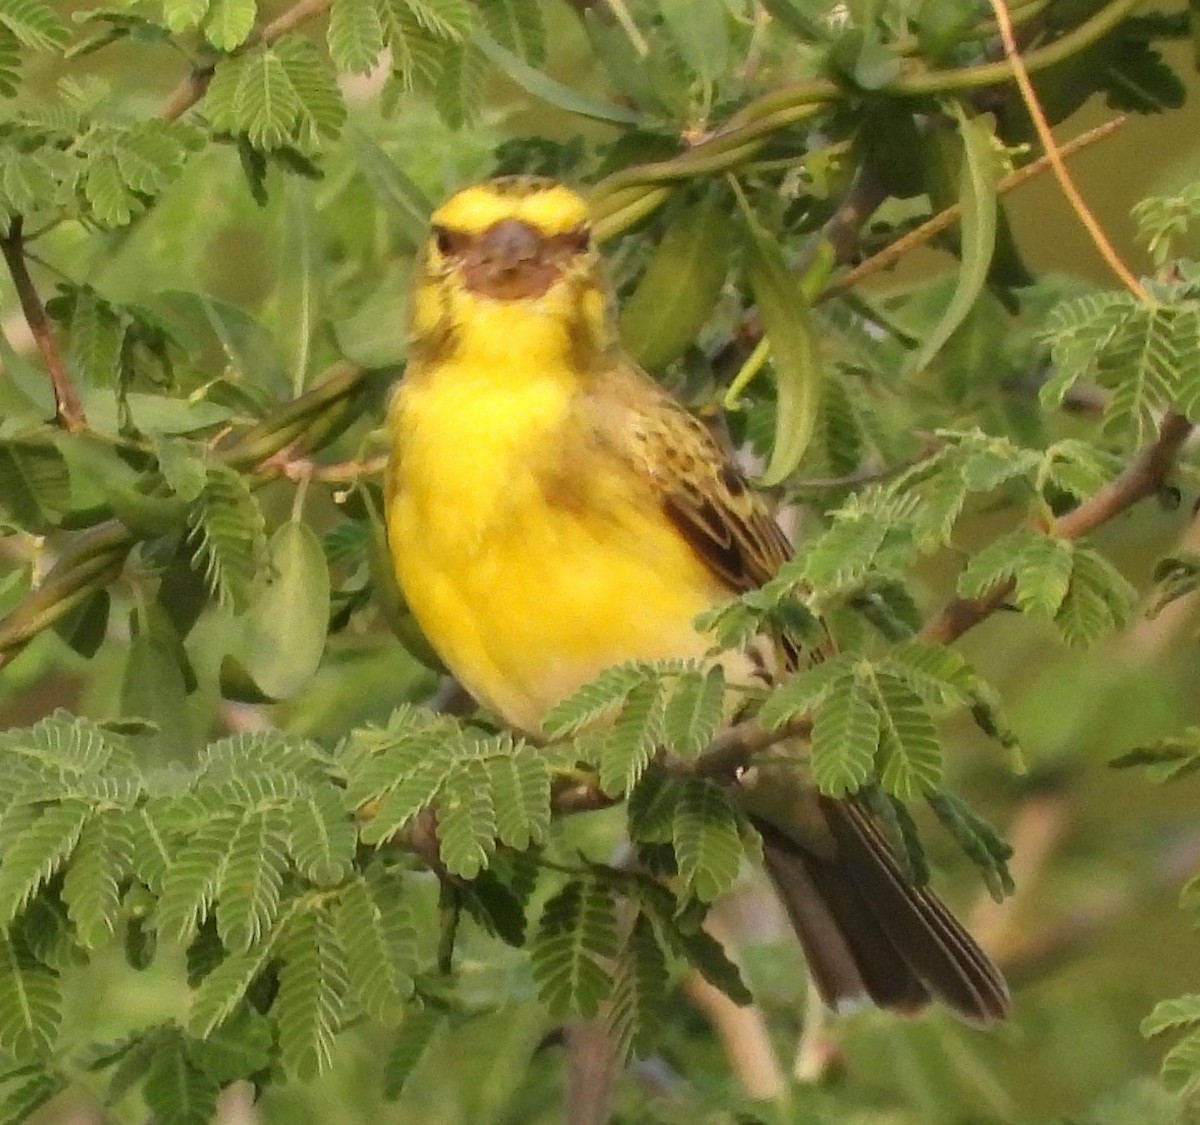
point(68, 412)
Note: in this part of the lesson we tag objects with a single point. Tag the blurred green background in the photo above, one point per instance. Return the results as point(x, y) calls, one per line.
point(1094, 936)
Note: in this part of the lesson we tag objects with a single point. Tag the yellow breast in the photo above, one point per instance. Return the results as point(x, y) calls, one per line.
point(530, 561)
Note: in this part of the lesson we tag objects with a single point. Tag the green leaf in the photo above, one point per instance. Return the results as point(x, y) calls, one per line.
point(707, 956)
point(1080, 331)
point(520, 789)
point(466, 820)
point(679, 290)
point(314, 84)
point(700, 31)
point(376, 981)
point(406, 203)
point(35, 487)
point(633, 738)
point(1172, 1015)
point(693, 711)
point(181, 465)
point(794, 350)
point(1138, 79)
point(268, 108)
point(995, 564)
point(412, 794)
point(322, 837)
point(444, 19)
point(229, 23)
point(938, 674)
point(977, 839)
point(37, 853)
point(910, 754)
point(639, 990)
point(252, 878)
point(858, 537)
point(34, 24)
point(175, 1090)
point(652, 807)
point(101, 860)
point(152, 851)
point(416, 55)
point(418, 1031)
point(803, 691)
point(154, 685)
point(240, 1048)
point(229, 536)
point(28, 181)
point(977, 200)
point(1043, 573)
point(554, 93)
point(184, 15)
point(708, 845)
point(30, 1005)
point(1181, 1065)
point(594, 699)
point(845, 735)
point(576, 939)
point(222, 990)
point(286, 623)
point(190, 883)
point(1099, 599)
point(312, 990)
point(1166, 759)
point(22, 1103)
point(96, 338)
point(355, 35)
point(516, 25)
point(104, 189)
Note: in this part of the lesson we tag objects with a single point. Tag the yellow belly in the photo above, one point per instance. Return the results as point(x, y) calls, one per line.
point(526, 599)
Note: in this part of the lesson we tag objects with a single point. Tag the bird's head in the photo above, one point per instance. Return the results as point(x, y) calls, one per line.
point(515, 250)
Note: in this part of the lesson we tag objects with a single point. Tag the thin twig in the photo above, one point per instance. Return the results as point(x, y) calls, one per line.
point(934, 225)
point(732, 750)
point(68, 411)
point(1029, 97)
point(341, 472)
point(192, 88)
point(1143, 477)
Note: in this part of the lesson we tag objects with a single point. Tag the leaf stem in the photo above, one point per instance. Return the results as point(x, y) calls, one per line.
point(68, 411)
point(193, 87)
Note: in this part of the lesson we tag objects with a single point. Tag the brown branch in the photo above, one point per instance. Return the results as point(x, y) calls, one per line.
point(593, 1071)
point(742, 1029)
point(68, 411)
point(944, 219)
point(192, 88)
point(732, 750)
point(1143, 477)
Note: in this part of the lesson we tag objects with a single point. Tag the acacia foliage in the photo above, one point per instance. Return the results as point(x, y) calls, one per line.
point(182, 542)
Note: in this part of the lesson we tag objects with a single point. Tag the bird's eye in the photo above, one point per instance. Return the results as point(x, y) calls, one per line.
point(443, 240)
point(580, 238)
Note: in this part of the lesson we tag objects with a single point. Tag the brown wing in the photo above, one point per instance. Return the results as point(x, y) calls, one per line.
point(866, 931)
point(701, 490)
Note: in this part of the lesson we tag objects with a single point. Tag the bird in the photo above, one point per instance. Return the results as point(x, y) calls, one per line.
point(553, 511)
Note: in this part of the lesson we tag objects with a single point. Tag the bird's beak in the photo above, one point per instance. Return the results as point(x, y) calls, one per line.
point(508, 262)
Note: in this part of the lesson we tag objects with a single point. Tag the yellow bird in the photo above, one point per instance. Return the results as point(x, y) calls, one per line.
point(552, 511)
